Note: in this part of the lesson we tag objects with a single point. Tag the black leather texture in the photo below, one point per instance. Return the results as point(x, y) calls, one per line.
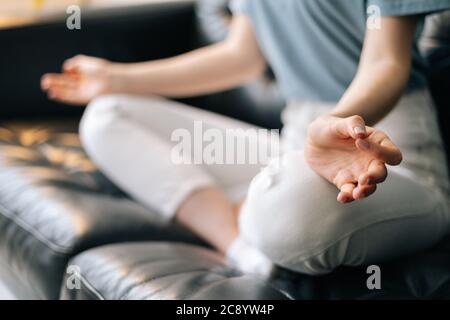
point(162, 271)
point(178, 271)
point(54, 204)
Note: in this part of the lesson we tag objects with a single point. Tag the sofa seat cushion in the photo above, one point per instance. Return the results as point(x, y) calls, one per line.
point(424, 275)
point(154, 271)
point(54, 203)
point(160, 271)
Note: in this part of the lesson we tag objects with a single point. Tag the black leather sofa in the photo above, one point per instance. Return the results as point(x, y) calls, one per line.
point(58, 213)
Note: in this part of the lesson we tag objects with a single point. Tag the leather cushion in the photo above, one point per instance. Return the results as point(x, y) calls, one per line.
point(156, 271)
point(425, 275)
point(54, 204)
point(161, 271)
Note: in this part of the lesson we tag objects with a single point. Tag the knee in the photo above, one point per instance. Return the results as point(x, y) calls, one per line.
point(291, 215)
point(99, 116)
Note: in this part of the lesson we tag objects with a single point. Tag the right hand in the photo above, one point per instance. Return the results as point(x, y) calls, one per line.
point(350, 155)
point(82, 79)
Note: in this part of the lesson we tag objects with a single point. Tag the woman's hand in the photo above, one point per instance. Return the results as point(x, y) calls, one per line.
point(83, 78)
point(350, 155)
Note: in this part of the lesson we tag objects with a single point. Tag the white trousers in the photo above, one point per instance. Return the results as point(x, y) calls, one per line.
point(291, 214)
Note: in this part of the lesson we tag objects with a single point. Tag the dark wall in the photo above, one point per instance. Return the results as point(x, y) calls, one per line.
point(436, 48)
point(440, 88)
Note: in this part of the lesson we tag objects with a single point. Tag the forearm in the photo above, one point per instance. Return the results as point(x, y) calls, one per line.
point(374, 92)
point(214, 68)
point(383, 71)
point(202, 71)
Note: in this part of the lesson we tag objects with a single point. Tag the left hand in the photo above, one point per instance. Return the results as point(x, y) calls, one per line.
point(350, 155)
point(83, 78)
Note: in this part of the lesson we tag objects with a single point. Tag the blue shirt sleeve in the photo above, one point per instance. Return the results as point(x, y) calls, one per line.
point(409, 7)
point(240, 6)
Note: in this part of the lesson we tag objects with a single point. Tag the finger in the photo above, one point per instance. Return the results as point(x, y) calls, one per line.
point(392, 154)
point(385, 150)
point(343, 177)
point(376, 173)
point(51, 80)
point(346, 193)
point(361, 192)
point(65, 95)
point(351, 127)
point(58, 93)
point(46, 81)
point(73, 64)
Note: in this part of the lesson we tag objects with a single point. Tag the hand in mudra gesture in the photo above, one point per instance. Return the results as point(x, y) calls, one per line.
point(350, 155)
point(82, 79)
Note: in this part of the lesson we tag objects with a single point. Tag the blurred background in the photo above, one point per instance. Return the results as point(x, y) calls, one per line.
point(20, 12)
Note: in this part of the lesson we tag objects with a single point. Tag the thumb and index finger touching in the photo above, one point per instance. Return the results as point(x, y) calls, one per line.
point(373, 141)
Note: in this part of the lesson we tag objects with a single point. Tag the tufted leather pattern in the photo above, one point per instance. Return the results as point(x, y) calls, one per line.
point(161, 271)
point(54, 204)
point(177, 271)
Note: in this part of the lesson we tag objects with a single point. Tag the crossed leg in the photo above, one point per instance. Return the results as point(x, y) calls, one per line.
point(130, 140)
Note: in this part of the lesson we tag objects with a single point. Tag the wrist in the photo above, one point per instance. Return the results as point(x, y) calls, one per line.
point(115, 74)
point(326, 118)
point(338, 114)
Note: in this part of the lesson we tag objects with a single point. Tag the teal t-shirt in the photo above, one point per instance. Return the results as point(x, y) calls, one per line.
point(314, 46)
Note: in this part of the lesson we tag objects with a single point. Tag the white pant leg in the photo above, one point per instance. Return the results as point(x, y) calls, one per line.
point(291, 214)
point(129, 139)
